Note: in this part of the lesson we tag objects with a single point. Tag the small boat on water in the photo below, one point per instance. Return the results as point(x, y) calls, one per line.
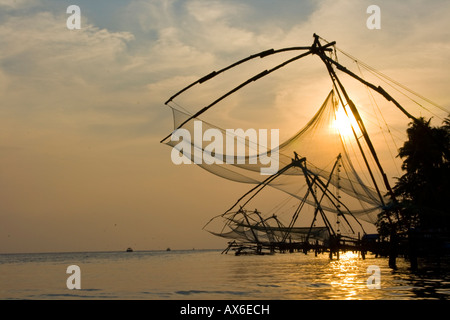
point(129, 250)
point(168, 249)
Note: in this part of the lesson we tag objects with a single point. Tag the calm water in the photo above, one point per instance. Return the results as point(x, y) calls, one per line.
point(207, 274)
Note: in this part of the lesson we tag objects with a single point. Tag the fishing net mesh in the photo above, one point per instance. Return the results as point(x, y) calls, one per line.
point(326, 178)
point(321, 142)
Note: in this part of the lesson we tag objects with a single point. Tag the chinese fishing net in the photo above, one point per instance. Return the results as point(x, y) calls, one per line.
point(326, 178)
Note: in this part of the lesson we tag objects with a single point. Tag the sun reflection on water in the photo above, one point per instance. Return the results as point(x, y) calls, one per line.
point(347, 278)
point(349, 255)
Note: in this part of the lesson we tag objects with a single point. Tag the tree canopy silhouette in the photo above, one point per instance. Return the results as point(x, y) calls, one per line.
point(423, 191)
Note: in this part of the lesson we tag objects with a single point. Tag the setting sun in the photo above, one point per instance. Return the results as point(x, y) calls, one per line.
point(344, 122)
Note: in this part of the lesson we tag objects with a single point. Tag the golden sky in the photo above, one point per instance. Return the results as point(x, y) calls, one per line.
point(82, 111)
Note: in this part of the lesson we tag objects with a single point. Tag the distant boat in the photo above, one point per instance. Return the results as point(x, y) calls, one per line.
point(168, 249)
point(129, 250)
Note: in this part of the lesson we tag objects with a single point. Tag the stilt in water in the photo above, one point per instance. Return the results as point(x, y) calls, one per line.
point(393, 251)
point(412, 249)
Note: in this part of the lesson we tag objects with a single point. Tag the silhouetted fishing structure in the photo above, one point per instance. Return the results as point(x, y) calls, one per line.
point(316, 170)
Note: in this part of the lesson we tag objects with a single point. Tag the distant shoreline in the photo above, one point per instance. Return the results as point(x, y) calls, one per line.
point(108, 251)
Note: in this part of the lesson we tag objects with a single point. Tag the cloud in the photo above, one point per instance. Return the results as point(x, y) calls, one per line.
point(49, 70)
point(214, 18)
point(40, 45)
point(15, 4)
